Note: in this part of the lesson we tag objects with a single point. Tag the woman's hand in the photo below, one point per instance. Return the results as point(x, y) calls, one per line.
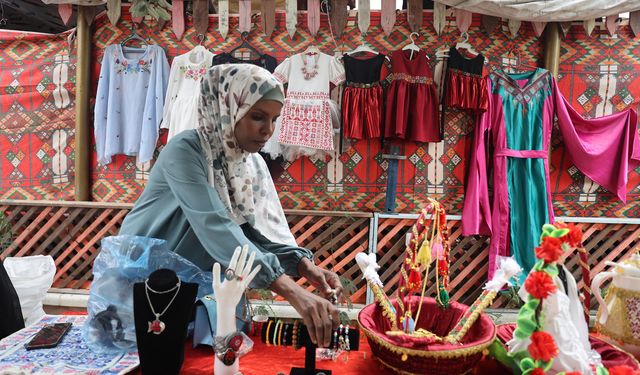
point(325, 281)
point(319, 315)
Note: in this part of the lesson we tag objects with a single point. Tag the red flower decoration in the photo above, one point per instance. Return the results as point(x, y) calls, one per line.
point(415, 280)
point(623, 370)
point(539, 284)
point(543, 347)
point(574, 237)
point(537, 371)
point(550, 249)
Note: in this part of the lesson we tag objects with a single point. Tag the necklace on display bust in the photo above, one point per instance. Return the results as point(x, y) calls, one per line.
point(157, 326)
point(310, 72)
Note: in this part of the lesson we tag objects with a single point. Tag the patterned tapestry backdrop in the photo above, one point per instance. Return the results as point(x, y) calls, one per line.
point(599, 75)
point(37, 116)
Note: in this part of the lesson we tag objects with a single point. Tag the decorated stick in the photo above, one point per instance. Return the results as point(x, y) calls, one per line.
point(508, 268)
point(369, 266)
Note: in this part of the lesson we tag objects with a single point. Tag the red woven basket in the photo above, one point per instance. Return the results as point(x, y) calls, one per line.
point(409, 355)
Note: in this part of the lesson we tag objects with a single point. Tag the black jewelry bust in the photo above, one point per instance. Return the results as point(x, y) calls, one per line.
point(161, 336)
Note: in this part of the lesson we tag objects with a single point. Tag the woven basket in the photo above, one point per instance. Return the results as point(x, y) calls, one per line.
point(408, 355)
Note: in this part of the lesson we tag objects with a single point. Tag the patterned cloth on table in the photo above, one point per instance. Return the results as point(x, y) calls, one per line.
point(130, 101)
point(71, 356)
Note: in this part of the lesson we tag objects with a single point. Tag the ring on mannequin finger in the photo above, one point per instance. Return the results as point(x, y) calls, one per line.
point(231, 275)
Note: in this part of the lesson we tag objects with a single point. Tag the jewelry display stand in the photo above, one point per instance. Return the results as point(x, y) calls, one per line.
point(303, 340)
point(162, 307)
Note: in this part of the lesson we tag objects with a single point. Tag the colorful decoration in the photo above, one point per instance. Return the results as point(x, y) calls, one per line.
point(177, 18)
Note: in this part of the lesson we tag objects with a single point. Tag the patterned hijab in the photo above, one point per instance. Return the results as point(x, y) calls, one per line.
point(241, 179)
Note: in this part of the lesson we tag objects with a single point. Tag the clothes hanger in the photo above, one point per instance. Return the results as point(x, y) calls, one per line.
point(134, 36)
point(245, 44)
point(412, 46)
point(464, 44)
point(312, 49)
point(199, 49)
point(363, 47)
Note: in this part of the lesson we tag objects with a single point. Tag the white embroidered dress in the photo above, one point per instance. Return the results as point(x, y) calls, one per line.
point(306, 116)
point(181, 102)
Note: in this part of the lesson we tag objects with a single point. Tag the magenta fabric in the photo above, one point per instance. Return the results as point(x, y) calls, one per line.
point(611, 356)
point(605, 149)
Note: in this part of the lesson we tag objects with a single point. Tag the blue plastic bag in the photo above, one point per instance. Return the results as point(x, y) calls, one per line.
point(123, 261)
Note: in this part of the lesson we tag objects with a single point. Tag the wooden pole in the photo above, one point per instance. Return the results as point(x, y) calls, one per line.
point(552, 48)
point(83, 51)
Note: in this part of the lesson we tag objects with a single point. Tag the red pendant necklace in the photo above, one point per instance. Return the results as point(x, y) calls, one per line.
point(157, 326)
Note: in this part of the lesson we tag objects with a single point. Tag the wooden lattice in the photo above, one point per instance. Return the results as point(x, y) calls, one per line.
point(71, 233)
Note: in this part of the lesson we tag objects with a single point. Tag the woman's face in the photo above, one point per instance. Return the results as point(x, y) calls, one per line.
point(255, 128)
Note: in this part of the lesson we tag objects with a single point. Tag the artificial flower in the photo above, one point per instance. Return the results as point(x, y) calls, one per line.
point(537, 371)
point(543, 347)
point(574, 237)
point(550, 249)
point(623, 370)
point(539, 284)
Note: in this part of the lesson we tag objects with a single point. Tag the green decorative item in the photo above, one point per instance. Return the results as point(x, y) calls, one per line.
point(157, 9)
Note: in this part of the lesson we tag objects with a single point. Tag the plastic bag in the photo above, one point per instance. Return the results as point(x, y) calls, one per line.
point(31, 277)
point(123, 261)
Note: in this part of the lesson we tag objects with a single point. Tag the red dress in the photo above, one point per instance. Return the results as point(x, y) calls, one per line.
point(362, 100)
point(412, 102)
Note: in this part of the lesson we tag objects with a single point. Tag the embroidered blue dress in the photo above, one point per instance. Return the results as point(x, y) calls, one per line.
point(130, 101)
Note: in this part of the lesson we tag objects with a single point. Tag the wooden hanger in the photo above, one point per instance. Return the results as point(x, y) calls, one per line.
point(412, 46)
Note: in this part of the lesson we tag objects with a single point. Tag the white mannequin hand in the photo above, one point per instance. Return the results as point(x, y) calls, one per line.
point(227, 294)
point(236, 278)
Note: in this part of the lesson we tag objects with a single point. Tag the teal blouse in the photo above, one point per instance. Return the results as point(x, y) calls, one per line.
point(178, 205)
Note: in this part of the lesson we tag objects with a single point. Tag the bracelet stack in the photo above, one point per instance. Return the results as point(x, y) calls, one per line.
point(281, 333)
point(227, 347)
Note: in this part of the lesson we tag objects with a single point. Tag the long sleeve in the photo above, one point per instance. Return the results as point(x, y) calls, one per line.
point(476, 213)
point(154, 105)
point(172, 92)
point(605, 149)
point(102, 107)
point(186, 176)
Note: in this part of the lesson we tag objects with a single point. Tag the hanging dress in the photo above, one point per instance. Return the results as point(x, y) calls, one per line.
point(306, 115)
point(362, 98)
point(181, 102)
point(411, 103)
point(517, 124)
point(464, 85)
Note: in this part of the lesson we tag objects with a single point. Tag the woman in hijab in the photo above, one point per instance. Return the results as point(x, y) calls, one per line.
point(210, 192)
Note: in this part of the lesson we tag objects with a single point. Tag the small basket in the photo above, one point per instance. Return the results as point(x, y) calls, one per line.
point(410, 355)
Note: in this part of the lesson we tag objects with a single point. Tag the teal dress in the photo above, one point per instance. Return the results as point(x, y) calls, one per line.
point(179, 206)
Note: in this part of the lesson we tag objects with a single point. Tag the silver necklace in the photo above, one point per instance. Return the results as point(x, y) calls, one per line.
point(157, 326)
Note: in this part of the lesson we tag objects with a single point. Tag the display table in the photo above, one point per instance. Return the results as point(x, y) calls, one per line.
point(72, 356)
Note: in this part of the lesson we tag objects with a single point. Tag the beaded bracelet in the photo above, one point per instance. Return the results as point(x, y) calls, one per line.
point(294, 335)
point(284, 334)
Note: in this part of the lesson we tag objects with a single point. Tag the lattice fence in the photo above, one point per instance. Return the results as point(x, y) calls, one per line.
point(71, 233)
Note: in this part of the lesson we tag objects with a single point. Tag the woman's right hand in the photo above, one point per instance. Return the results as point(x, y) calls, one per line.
point(319, 315)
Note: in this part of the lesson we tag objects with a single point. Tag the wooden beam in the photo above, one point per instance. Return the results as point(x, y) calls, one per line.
point(552, 48)
point(82, 106)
